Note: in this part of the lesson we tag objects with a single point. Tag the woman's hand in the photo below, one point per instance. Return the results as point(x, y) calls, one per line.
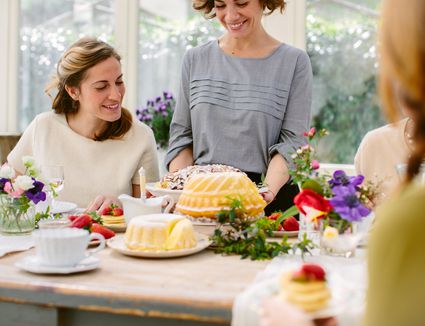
point(101, 202)
point(276, 312)
point(268, 196)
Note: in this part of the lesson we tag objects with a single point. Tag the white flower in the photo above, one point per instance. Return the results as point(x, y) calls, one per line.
point(28, 160)
point(7, 172)
point(23, 182)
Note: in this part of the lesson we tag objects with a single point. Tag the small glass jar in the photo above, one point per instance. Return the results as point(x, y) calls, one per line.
point(337, 241)
point(16, 217)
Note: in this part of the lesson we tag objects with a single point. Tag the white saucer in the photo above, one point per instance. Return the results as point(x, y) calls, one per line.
point(33, 265)
point(62, 207)
point(117, 244)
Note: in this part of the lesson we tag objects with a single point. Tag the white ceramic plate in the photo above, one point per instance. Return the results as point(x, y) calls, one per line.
point(289, 234)
point(117, 244)
point(255, 295)
point(62, 207)
point(33, 265)
point(157, 192)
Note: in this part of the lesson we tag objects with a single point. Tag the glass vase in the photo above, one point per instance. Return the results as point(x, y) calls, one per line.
point(16, 217)
point(338, 240)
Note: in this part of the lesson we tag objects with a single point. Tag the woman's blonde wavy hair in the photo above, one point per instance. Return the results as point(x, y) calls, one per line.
point(402, 68)
point(72, 70)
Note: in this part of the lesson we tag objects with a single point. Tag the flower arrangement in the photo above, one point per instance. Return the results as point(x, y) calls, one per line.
point(158, 114)
point(336, 201)
point(17, 195)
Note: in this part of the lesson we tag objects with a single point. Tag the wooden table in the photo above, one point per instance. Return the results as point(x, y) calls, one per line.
point(192, 290)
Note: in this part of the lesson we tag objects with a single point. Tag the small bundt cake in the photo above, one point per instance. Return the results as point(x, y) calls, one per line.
point(160, 232)
point(205, 195)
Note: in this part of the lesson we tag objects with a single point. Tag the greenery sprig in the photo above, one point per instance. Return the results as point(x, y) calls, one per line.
point(238, 234)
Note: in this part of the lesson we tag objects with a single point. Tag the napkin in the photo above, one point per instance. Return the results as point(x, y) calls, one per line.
point(10, 244)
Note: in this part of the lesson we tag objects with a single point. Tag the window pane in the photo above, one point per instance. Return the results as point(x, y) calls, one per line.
point(167, 28)
point(341, 43)
point(47, 29)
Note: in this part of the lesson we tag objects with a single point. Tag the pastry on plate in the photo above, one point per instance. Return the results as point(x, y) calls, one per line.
point(306, 288)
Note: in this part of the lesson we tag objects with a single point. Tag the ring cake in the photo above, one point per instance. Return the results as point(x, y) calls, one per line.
point(160, 232)
point(177, 180)
point(306, 288)
point(205, 195)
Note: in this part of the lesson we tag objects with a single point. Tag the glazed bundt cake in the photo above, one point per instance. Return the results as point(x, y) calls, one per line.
point(160, 232)
point(205, 195)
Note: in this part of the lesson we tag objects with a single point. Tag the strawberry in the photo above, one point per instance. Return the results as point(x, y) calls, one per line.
point(280, 227)
point(72, 217)
point(274, 216)
point(291, 224)
point(97, 228)
point(313, 272)
point(82, 221)
point(117, 211)
point(107, 211)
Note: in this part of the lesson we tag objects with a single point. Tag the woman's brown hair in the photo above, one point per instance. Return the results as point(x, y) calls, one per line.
point(72, 70)
point(402, 69)
point(207, 6)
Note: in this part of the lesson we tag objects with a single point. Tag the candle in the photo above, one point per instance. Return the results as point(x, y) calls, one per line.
point(142, 183)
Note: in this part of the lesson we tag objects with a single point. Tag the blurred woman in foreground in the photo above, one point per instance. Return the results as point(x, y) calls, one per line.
point(396, 258)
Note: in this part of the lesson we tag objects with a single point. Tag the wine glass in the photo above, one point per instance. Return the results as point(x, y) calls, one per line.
point(54, 175)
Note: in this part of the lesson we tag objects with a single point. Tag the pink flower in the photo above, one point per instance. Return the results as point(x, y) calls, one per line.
point(315, 165)
point(310, 133)
point(13, 193)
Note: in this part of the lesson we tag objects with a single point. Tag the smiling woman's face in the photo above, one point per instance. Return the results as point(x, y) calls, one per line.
point(240, 17)
point(101, 92)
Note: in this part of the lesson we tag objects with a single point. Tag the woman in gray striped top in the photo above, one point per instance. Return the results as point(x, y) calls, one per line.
point(245, 100)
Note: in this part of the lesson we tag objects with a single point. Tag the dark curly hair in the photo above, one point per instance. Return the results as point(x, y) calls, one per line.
point(207, 6)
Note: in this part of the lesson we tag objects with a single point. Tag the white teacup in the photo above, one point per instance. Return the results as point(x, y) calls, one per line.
point(136, 206)
point(64, 247)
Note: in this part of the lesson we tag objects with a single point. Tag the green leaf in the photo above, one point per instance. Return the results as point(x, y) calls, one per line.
point(312, 185)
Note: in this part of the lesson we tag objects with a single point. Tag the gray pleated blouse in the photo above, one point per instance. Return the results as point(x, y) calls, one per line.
point(241, 111)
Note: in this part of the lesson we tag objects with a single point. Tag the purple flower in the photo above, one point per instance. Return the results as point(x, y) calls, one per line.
point(341, 179)
point(36, 193)
point(168, 95)
point(347, 204)
point(158, 99)
point(2, 183)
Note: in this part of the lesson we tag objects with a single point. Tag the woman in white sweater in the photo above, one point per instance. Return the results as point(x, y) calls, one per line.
point(96, 140)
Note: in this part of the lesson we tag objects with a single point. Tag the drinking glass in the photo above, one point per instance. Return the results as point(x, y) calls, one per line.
point(54, 175)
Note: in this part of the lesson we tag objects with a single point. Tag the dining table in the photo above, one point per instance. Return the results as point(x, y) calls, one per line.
point(198, 289)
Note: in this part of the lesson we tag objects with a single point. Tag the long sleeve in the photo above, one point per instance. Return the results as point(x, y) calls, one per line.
point(181, 126)
point(298, 111)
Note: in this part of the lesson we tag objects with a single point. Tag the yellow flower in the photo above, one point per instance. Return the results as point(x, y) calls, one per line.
point(330, 232)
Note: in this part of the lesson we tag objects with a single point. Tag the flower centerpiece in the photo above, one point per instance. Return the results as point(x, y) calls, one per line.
point(331, 204)
point(158, 114)
point(18, 196)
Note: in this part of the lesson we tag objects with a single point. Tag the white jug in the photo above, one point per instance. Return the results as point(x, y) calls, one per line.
point(137, 206)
